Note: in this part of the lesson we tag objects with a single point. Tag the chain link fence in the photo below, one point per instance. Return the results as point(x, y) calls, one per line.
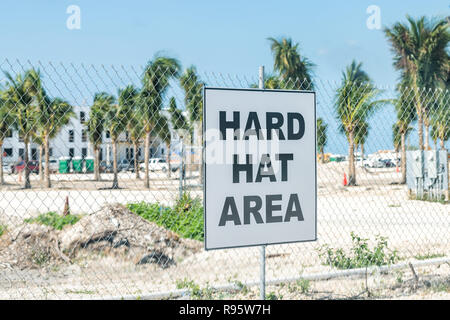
point(101, 185)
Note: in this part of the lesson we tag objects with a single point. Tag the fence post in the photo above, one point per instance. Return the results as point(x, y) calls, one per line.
point(262, 261)
point(181, 170)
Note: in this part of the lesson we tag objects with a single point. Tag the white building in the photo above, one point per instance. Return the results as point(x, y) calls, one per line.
point(73, 141)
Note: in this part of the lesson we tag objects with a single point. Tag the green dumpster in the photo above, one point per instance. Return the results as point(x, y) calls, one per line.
point(77, 164)
point(89, 163)
point(64, 165)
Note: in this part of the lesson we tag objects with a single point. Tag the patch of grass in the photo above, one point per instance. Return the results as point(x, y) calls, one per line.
point(54, 220)
point(426, 197)
point(196, 292)
point(429, 256)
point(184, 218)
point(2, 229)
point(361, 255)
point(273, 296)
point(80, 292)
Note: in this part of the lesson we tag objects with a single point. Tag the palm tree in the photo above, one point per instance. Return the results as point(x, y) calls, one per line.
point(6, 124)
point(193, 99)
point(155, 82)
point(406, 115)
point(95, 127)
point(354, 104)
point(321, 136)
point(361, 133)
point(163, 131)
point(420, 53)
point(295, 70)
point(20, 100)
point(53, 115)
point(128, 104)
point(440, 120)
point(116, 117)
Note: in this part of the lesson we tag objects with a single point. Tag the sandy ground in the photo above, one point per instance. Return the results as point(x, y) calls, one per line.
point(374, 207)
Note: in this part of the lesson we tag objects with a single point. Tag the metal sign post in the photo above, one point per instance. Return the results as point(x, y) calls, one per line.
point(262, 261)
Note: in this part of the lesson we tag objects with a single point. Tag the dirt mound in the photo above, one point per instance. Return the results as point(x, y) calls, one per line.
point(113, 230)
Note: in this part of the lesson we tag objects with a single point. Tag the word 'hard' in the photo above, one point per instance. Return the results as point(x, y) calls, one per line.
point(274, 121)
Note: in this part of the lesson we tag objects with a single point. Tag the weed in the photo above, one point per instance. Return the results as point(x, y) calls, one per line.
point(2, 229)
point(54, 220)
point(362, 255)
point(304, 285)
point(185, 217)
point(429, 256)
point(196, 292)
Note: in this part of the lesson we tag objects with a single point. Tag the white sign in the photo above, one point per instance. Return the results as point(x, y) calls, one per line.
point(260, 167)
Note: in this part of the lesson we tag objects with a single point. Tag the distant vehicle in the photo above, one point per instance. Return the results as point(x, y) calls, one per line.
point(7, 168)
point(373, 163)
point(158, 164)
point(19, 166)
point(53, 165)
point(106, 167)
point(387, 163)
point(125, 165)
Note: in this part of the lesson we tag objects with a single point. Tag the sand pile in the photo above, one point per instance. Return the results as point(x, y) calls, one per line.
point(113, 230)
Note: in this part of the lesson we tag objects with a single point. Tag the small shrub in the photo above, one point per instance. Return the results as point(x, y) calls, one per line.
point(2, 229)
point(362, 255)
point(185, 217)
point(429, 256)
point(194, 289)
point(54, 220)
point(304, 285)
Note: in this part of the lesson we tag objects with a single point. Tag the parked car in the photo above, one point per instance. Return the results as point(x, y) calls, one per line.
point(159, 164)
point(373, 163)
point(19, 166)
point(53, 165)
point(387, 163)
point(7, 168)
point(106, 167)
point(125, 165)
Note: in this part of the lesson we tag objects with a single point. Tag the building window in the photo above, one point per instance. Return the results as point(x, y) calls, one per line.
point(71, 136)
point(34, 154)
point(107, 134)
point(8, 152)
point(82, 117)
point(83, 135)
point(9, 133)
point(83, 152)
point(22, 153)
point(50, 152)
point(101, 154)
point(71, 152)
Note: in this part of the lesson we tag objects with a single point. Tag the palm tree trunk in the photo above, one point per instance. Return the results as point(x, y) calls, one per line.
point(403, 160)
point(96, 163)
point(2, 180)
point(426, 133)
point(442, 144)
point(420, 130)
point(41, 154)
point(48, 183)
point(27, 184)
point(115, 184)
point(136, 166)
point(351, 160)
point(362, 154)
point(322, 160)
point(169, 166)
point(147, 159)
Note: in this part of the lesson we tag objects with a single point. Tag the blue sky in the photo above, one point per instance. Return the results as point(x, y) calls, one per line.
point(216, 36)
